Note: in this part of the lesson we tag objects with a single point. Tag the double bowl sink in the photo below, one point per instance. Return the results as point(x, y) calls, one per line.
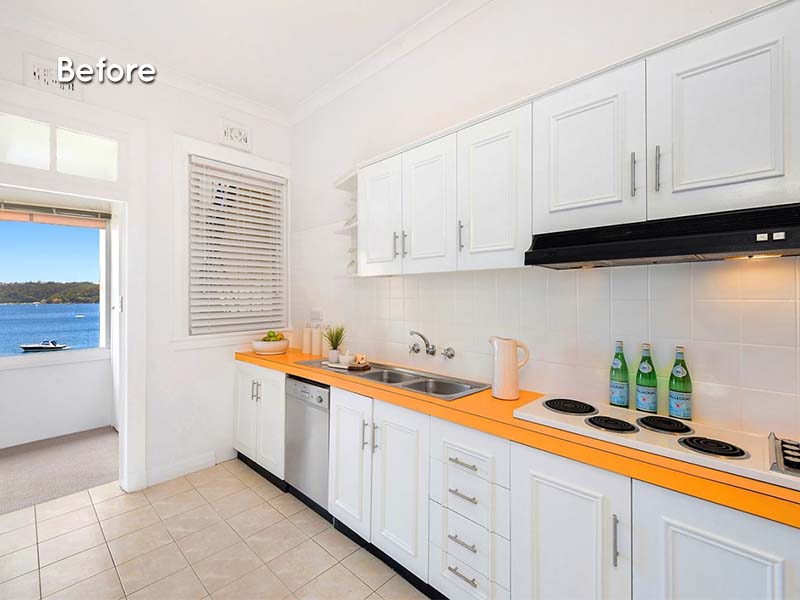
point(436, 386)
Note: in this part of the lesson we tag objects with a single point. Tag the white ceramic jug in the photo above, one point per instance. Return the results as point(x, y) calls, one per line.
point(505, 382)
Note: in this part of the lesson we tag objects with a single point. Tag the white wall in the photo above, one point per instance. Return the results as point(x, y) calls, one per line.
point(739, 322)
point(189, 392)
point(43, 402)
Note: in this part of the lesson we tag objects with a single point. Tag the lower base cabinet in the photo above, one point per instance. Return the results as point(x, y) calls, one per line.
point(378, 475)
point(691, 548)
point(571, 529)
point(259, 416)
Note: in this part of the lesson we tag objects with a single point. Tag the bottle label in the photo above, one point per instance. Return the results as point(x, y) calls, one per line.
point(645, 367)
point(646, 399)
point(616, 363)
point(680, 405)
point(619, 394)
point(679, 371)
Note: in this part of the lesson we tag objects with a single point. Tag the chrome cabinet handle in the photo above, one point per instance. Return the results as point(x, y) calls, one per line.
point(471, 547)
point(658, 168)
point(461, 463)
point(633, 173)
point(252, 389)
point(457, 573)
point(364, 435)
point(614, 540)
point(374, 438)
point(258, 391)
point(460, 233)
point(456, 492)
point(403, 243)
point(394, 244)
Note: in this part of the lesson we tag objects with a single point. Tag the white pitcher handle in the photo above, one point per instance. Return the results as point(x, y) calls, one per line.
point(524, 361)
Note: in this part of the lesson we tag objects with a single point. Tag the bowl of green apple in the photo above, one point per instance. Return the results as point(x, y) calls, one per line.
point(272, 343)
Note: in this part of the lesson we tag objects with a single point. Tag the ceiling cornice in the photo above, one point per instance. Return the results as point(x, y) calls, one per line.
point(412, 38)
point(73, 42)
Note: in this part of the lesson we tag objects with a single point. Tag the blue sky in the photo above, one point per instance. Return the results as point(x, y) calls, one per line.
point(36, 252)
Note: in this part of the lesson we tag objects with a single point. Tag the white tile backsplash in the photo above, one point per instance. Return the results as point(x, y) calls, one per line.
point(737, 319)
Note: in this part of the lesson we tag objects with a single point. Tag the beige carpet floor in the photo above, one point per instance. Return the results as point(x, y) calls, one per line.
point(40, 471)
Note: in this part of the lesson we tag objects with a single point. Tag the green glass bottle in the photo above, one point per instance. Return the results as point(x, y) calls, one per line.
point(680, 388)
point(620, 381)
point(646, 383)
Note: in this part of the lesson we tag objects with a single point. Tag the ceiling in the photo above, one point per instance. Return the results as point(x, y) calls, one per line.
point(275, 52)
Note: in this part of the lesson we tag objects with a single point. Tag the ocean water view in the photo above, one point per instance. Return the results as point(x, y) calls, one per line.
point(34, 323)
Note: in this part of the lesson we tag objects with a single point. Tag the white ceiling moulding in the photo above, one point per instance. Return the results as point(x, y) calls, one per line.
point(72, 43)
point(427, 28)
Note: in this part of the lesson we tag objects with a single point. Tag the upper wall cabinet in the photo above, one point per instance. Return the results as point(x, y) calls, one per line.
point(494, 191)
point(723, 116)
point(429, 234)
point(380, 221)
point(589, 145)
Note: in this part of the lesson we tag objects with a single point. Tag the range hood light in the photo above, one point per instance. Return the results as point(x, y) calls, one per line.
point(754, 257)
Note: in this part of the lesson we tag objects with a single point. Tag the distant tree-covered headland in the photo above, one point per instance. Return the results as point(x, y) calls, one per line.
point(50, 292)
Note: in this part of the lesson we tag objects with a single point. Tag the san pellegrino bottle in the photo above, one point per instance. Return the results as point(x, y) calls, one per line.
point(620, 382)
point(646, 383)
point(680, 388)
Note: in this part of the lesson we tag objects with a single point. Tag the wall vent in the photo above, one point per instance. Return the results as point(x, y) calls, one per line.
point(235, 135)
point(41, 74)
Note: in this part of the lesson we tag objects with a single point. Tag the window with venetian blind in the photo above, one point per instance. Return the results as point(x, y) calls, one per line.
point(237, 253)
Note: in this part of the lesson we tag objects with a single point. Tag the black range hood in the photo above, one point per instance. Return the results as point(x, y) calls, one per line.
point(749, 233)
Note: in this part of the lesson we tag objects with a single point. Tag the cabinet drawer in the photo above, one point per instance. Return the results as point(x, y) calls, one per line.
point(484, 503)
point(475, 546)
point(458, 581)
point(479, 453)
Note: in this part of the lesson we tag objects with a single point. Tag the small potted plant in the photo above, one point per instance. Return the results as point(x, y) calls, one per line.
point(335, 337)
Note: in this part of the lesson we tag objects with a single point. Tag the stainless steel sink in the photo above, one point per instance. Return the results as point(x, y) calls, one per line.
point(386, 376)
point(438, 387)
point(435, 386)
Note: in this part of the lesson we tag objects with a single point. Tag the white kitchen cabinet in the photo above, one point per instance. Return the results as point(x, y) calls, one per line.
point(350, 460)
point(400, 485)
point(589, 147)
point(494, 191)
point(691, 548)
point(429, 236)
point(571, 532)
point(271, 438)
point(378, 475)
point(380, 218)
point(724, 118)
point(260, 415)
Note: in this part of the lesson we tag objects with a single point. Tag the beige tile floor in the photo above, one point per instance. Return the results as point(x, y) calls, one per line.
point(223, 533)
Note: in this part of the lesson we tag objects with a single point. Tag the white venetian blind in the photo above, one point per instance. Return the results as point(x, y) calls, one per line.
point(238, 252)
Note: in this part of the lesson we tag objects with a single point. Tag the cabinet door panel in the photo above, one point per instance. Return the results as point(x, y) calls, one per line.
point(564, 523)
point(379, 218)
point(429, 207)
point(400, 486)
point(350, 460)
point(245, 425)
point(589, 151)
point(494, 191)
point(690, 548)
point(717, 109)
point(270, 449)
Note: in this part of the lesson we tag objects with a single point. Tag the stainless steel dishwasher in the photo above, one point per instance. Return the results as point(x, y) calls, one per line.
point(307, 417)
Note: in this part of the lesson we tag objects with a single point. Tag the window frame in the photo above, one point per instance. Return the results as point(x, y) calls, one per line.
point(183, 148)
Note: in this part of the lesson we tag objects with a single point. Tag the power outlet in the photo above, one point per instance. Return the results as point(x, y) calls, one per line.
point(41, 74)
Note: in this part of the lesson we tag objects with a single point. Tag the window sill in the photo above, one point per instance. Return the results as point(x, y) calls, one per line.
point(224, 340)
point(47, 359)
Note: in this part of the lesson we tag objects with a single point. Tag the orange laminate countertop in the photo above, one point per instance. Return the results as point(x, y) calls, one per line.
point(483, 412)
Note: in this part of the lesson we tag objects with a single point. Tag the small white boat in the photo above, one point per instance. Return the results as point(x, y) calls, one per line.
point(46, 346)
point(80, 316)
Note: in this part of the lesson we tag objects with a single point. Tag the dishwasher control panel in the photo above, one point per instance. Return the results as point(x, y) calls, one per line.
point(308, 392)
